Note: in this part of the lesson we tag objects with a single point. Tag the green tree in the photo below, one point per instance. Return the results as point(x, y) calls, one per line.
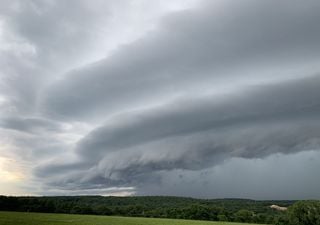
point(102, 210)
point(197, 212)
point(281, 220)
point(304, 213)
point(244, 215)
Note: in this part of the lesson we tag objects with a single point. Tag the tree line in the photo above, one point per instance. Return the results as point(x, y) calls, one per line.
point(233, 210)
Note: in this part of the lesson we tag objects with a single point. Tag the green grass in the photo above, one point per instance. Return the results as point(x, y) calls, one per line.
point(21, 218)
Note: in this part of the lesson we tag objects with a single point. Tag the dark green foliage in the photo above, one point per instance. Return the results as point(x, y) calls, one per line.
point(304, 213)
point(301, 213)
point(102, 210)
point(244, 215)
point(241, 210)
point(200, 212)
point(282, 220)
point(222, 217)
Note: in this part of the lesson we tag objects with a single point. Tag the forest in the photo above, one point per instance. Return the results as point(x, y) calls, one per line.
point(233, 210)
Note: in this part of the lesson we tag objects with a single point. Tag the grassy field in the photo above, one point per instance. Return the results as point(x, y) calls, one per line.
point(17, 218)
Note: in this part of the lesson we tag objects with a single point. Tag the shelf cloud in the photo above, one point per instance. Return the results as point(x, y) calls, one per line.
point(131, 97)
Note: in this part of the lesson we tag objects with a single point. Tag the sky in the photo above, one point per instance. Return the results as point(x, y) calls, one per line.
point(197, 98)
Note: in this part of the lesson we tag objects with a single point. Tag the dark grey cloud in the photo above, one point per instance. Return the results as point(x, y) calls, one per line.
point(194, 134)
point(285, 101)
point(246, 178)
point(191, 51)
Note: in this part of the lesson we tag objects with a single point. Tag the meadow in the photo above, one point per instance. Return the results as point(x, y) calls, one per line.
point(24, 218)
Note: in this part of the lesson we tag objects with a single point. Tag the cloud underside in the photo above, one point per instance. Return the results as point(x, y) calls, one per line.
point(195, 134)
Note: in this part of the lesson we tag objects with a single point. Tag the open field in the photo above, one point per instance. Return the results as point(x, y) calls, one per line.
point(22, 218)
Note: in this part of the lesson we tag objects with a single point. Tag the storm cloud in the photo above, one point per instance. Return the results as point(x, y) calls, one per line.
point(193, 51)
point(122, 98)
point(199, 133)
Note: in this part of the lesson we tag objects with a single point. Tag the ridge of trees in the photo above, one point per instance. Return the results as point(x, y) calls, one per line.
point(233, 210)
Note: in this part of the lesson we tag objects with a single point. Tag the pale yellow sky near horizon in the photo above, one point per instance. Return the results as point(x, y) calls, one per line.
point(11, 177)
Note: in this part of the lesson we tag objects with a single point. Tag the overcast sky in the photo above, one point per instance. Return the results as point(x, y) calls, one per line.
point(200, 98)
